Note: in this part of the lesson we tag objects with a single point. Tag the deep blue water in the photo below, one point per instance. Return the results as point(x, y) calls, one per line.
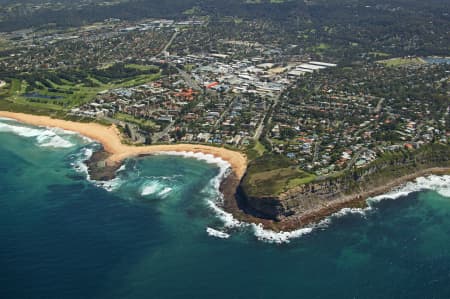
point(65, 237)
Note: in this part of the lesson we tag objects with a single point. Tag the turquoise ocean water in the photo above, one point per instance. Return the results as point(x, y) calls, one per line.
point(157, 232)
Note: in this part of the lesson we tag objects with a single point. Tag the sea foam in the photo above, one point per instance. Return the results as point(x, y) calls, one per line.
point(229, 222)
point(80, 166)
point(217, 233)
point(155, 187)
point(440, 184)
point(215, 197)
point(45, 137)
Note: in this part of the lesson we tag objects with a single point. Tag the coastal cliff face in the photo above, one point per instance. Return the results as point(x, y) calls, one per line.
point(351, 187)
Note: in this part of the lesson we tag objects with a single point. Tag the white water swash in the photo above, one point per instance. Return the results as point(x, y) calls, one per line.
point(161, 187)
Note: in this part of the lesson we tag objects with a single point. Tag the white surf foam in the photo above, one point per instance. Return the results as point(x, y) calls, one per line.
point(217, 233)
point(348, 211)
point(227, 218)
point(44, 137)
point(440, 184)
point(150, 189)
point(6, 118)
point(270, 236)
point(214, 185)
point(81, 167)
point(156, 186)
point(281, 237)
point(121, 168)
point(223, 165)
point(165, 192)
point(20, 130)
point(50, 139)
point(83, 156)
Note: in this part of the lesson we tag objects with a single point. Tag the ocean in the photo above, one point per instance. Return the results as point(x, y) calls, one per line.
point(157, 231)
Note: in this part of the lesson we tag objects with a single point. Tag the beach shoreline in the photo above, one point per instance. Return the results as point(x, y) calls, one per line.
point(110, 138)
point(314, 215)
point(114, 153)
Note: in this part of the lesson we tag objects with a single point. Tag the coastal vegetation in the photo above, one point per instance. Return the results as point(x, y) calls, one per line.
point(59, 91)
point(271, 174)
point(318, 105)
point(396, 62)
point(347, 188)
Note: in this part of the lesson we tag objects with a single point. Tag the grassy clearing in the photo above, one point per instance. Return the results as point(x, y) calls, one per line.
point(4, 44)
point(397, 62)
point(17, 106)
point(66, 94)
point(321, 47)
point(379, 54)
point(255, 150)
point(138, 80)
point(188, 67)
point(270, 175)
point(304, 178)
point(15, 87)
point(274, 182)
point(259, 148)
point(141, 67)
point(134, 120)
point(192, 11)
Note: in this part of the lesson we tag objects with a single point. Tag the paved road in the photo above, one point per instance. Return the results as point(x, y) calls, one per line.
point(134, 129)
point(169, 43)
point(188, 79)
point(316, 151)
point(260, 128)
point(226, 112)
point(157, 136)
point(379, 106)
point(355, 157)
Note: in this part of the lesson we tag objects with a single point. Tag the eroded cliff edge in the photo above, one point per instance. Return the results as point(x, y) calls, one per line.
point(312, 201)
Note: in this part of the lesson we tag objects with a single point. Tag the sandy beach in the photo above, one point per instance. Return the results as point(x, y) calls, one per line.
point(110, 138)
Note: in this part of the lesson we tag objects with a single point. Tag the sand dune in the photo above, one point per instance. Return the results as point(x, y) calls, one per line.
point(110, 138)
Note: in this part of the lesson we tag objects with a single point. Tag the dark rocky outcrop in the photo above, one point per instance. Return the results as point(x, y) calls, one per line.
point(100, 169)
point(314, 201)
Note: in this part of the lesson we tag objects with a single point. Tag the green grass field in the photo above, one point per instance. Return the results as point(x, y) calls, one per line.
point(134, 120)
point(271, 174)
point(141, 67)
point(46, 94)
point(396, 62)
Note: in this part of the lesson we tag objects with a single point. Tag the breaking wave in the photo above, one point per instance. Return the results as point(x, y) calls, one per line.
point(224, 166)
point(270, 236)
point(156, 188)
point(58, 138)
point(217, 233)
point(45, 137)
point(440, 184)
point(80, 166)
